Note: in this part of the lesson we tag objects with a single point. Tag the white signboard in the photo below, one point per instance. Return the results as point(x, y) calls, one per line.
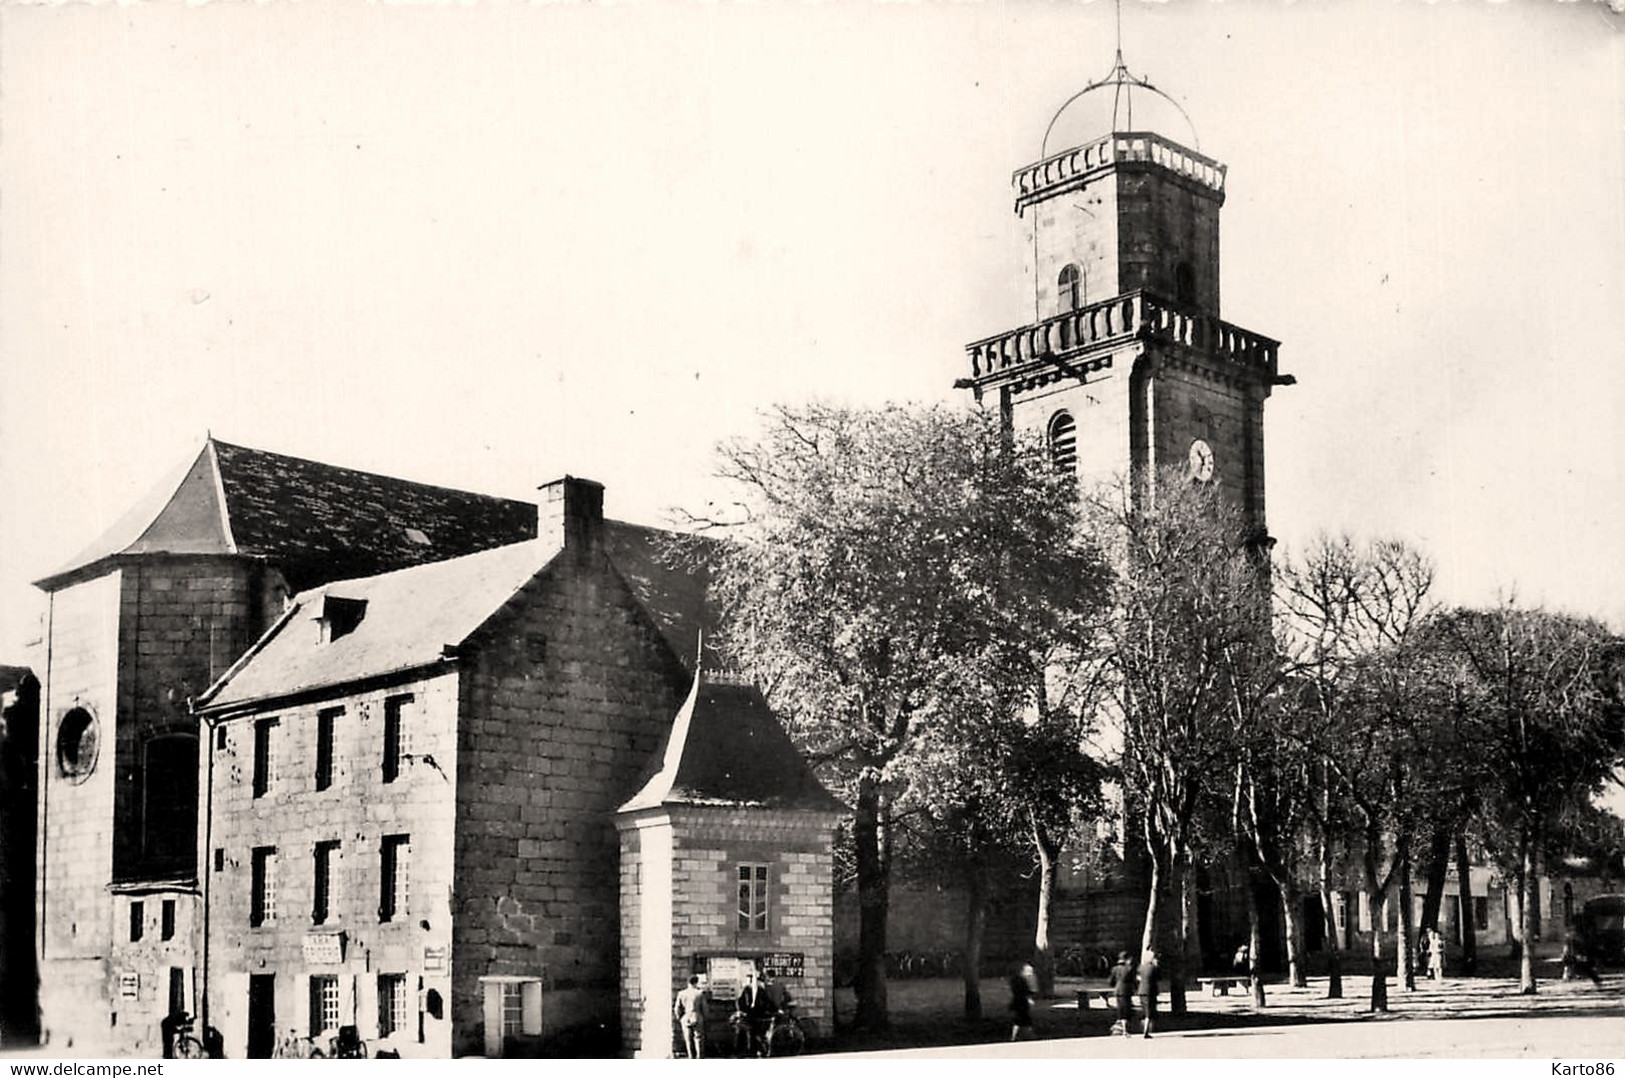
point(725, 975)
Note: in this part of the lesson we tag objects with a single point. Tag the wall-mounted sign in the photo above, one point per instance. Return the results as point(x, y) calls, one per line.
point(434, 959)
point(129, 985)
point(784, 964)
point(324, 948)
point(725, 974)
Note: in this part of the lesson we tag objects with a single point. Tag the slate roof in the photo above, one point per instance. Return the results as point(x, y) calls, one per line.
point(727, 748)
point(412, 616)
point(316, 522)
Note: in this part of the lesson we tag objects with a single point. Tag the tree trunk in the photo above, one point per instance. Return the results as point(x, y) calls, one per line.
point(1153, 906)
point(1438, 868)
point(1469, 918)
point(1379, 974)
point(1328, 911)
point(1405, 934)
point(1188, 945)
point(1043, 954)
point(1526, 917)
point(873, 904)
point(975, 927)
point(1255, 942)
point(1291, 904)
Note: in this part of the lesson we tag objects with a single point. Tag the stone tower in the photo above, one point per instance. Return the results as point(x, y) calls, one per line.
point(1126, 367)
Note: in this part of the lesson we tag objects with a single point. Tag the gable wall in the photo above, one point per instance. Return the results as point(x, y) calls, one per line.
point(569, 695)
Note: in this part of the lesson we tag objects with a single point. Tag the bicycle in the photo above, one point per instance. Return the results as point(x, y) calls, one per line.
point(788, 1034)
point(347, 1044)
point(292, 1046)
point(188, 1046)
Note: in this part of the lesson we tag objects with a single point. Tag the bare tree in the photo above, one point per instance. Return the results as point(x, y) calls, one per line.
point(1189, 598)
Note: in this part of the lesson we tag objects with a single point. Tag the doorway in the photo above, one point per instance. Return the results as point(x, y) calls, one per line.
point(261, 1015)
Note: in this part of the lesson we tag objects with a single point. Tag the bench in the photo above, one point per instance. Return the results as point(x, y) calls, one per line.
point(1105, 995)
point(1220, 986)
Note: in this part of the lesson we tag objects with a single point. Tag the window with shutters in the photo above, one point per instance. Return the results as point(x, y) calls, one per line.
point(397, 734)
point(264, 756)
point(326, 732)
point(513, 1007)
point(391, 1003)
point(323, 875)
point(324, 1004)
point(394, 863)
point(262, 881)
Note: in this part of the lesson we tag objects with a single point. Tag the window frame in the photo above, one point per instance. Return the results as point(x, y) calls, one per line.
point(395, 1012)
point(320, 983)
point(1068, 289)
point(138, 920)
point(262, 886)
point(324, 893)
point(1062, 458)
point(265, 755)
point(397, 735)
point(394, 878)
point(326, 745)
point(753, 884)
point(166, 920)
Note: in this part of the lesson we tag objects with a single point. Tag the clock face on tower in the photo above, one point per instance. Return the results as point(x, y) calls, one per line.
point(1201, 461)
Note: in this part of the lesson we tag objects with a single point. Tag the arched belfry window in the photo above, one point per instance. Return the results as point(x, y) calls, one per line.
point(1067, 288)
point(1185, 284)
point(1063, 443)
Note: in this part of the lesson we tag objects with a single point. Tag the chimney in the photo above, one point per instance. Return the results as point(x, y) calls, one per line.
point(572, 511)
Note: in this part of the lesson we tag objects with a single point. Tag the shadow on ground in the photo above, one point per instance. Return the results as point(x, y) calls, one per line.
point(929, 1013)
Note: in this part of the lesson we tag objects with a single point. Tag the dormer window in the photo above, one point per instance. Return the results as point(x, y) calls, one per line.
point(1067, 288)
point(340, 616)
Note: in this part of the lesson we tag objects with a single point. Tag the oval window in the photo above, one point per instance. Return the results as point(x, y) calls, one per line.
point(76, 744)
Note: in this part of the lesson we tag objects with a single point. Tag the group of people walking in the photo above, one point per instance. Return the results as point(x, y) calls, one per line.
point(760, 1002)
point(1125, 981)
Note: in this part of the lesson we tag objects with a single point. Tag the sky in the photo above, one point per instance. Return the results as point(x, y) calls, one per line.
point(485, 245)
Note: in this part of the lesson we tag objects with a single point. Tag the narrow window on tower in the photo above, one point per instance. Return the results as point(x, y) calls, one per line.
point(1063, 443)
point(1068, 289)
point(1185, 285)
point(138, 921)
point(166, 920)
point(326, 731)
point(397, 734)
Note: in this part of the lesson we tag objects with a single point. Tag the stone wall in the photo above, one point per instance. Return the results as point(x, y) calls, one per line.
point(707, 844)
point(570, 692)
point(357, 810)
point(76, 813)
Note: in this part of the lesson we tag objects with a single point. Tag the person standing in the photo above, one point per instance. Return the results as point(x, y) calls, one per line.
point(1121, 983)
point(1150, 976)
point(1021, 1004)
point(689, 1010)
point(1435, 955)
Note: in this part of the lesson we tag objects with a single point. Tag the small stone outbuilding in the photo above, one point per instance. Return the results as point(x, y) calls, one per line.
point(726, 864)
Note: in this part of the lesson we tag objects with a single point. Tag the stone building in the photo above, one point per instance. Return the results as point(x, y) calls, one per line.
point(1127, 370)
point(426, 706)
point(725, 866)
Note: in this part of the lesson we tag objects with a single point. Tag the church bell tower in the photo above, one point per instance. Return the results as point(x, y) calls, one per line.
point(1126, 367)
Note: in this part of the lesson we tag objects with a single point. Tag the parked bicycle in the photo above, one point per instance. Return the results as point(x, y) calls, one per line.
point(187, 1045)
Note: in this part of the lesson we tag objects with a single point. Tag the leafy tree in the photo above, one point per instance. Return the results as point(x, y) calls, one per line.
point(1546, 695)
point(884, 560)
